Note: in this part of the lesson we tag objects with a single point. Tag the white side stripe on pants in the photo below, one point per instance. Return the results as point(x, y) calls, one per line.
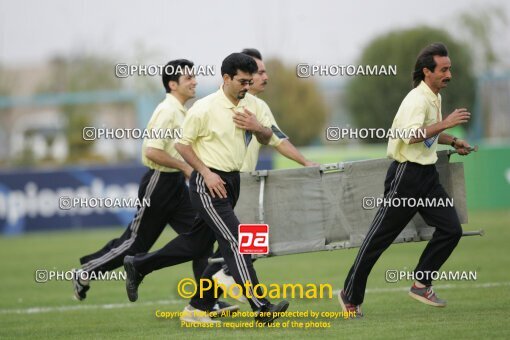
point(213, 214)
point(91, 265)
point(399, 172)
point(240, 262)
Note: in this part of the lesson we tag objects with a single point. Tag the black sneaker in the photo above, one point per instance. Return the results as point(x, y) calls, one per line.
point(221, 307)
point(133, 278)
point(80, 290)
point(270, 312)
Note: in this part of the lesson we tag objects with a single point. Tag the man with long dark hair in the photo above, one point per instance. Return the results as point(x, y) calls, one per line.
point(413, 175)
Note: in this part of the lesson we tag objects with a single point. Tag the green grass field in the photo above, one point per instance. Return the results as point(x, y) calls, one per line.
point(477, 309)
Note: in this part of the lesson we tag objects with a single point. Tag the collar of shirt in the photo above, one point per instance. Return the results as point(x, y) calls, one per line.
point(425, 89)
point(174, 102)
point(435, 99)
point(226, 102)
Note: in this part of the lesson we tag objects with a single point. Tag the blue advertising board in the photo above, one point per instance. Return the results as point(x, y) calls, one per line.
point(35, 200)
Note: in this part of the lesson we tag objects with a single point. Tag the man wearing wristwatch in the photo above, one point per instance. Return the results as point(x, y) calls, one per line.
point(413, 175)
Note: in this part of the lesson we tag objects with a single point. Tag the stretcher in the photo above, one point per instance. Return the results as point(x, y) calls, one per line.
point(323, 208)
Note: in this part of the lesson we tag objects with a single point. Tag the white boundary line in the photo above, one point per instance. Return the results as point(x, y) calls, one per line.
point(39, 310)
point(441, 287)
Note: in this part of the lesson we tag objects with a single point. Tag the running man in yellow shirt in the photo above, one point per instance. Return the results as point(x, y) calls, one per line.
point(413, 175)
point(216, 135)
point(163, 183)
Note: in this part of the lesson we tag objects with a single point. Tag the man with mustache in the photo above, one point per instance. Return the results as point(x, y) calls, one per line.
point(283, 146)
point(216, 147)
point(413, 175)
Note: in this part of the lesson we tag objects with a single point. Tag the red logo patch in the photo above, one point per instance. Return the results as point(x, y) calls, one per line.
point(253, 238)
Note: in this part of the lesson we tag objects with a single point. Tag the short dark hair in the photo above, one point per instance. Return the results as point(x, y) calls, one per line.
point(252, 52)
point(173, 70)
point(238, 61)
point(426, 60)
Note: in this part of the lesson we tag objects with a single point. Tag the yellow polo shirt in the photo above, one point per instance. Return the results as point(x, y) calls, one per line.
point(420, 108)
point(252, 154)
point(210, 130)
point(169, 114)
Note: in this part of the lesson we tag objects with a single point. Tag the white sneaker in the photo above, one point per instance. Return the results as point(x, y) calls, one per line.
point(193, 315)
point(80, 289)
point(228, 281)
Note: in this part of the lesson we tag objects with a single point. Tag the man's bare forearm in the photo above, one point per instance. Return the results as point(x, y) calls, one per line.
point(263, 135)
point(430, 131)
point(457, 117)
point(162, 158)
point(287, 149)
point(445, 138)
point(186, 151)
